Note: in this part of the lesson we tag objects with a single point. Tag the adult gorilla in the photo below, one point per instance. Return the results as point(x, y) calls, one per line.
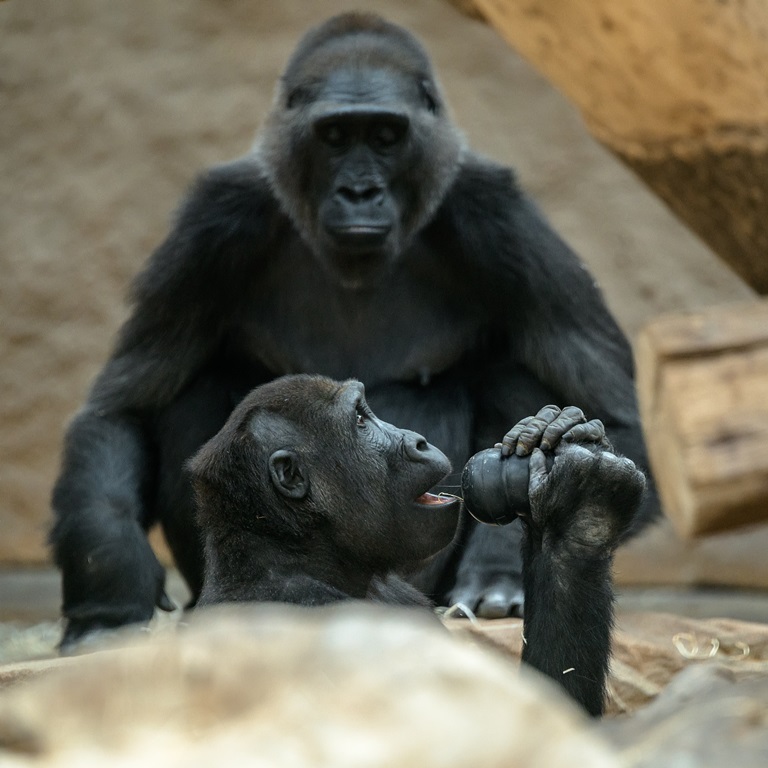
point(359, 238)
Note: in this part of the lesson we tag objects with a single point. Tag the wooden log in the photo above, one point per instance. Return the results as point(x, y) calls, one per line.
point(677, 90)
point(703, 389)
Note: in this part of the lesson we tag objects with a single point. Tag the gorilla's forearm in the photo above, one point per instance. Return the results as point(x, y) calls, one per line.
point(568, 618)
point(110, 574)
point(104, 466)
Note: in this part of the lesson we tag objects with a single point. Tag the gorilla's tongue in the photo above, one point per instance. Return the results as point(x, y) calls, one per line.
point(430, 498)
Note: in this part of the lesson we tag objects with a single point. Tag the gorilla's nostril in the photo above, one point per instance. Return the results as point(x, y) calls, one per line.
point(416, 446)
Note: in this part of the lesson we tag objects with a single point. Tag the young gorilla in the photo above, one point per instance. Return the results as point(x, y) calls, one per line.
point(306, 497)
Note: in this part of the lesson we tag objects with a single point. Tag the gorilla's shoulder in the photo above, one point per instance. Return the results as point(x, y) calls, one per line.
point(481, 199)
point(227, 217)
point(479, 176)
point(230, 191)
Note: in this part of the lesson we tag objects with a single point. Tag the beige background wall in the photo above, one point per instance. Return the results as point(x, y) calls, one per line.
point(107, 111)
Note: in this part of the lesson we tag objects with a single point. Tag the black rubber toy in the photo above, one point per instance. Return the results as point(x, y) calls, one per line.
point(495, 488)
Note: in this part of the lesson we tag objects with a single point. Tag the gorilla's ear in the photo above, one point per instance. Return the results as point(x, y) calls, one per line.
point(287, 475)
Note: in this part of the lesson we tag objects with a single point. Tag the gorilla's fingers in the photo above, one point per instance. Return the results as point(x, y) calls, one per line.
point(509, 441)
point(530, 435)
point(568, 418)
point(591, 432)
point(549, 413)
point(537, 472)
point(505, 598)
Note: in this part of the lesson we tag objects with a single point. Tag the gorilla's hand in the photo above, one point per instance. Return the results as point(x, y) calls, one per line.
point(585, 504)
point(124, 583)
point(490, 583)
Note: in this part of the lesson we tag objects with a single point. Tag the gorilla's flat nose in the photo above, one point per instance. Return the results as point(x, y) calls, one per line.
point(361, 193)
point(417, 446)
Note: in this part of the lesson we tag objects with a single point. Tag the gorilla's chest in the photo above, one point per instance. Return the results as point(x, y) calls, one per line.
point(408, 328)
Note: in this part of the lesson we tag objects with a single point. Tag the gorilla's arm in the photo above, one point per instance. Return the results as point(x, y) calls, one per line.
point(392, 590)
point(544, 304)
point(581, 505)
point(552, 340)
point(579, 512)
point(289, 586)
point(101, 499)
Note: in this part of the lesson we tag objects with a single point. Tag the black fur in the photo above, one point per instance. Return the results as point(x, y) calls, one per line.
point(396, 256)
point(579, 518)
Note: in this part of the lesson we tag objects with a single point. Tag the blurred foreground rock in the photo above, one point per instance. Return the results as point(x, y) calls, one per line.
point(360, 685)
point(353, 685)
point(649, 650)
point(709, 717)
point(684, 693)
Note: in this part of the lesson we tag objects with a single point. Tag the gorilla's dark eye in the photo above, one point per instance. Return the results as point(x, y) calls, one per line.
point(361, 415)
point(333, 134)
point(385, 135)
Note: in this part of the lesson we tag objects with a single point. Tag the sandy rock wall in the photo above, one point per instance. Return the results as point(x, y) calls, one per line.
point(677, 91)
point(107, 113)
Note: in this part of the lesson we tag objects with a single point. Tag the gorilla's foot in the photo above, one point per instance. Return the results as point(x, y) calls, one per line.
point(489, 595)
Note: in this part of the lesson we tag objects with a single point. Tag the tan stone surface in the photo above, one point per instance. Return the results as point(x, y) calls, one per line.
point(660, 556)
point(365, 686)
point(24, 671)
point(355, 686)
point(630, 65)
point(678, 91)
point(108, 111)
point(710, 716)
point(649, 649)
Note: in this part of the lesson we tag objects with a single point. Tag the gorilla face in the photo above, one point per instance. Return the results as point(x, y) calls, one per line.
point(387, 514)
point(358, 147)
point(303, 459)
point(359, 161)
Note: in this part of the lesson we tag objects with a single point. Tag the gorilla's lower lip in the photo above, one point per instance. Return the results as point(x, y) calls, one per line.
point(360, 237)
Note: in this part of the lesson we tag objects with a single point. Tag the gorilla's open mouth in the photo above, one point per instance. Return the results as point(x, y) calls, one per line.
point(434, 500)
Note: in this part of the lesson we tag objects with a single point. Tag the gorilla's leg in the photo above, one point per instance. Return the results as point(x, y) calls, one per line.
point(489, 576)
point(194, 417)
point(486, 574)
